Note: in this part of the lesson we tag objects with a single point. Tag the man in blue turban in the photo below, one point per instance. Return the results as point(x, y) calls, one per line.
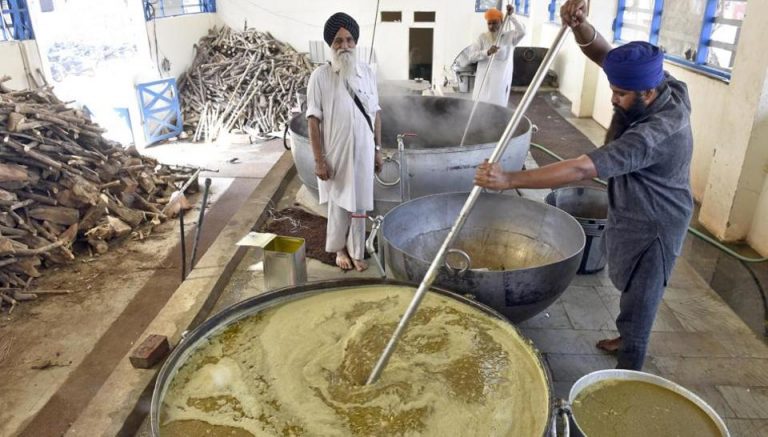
point(646, 160)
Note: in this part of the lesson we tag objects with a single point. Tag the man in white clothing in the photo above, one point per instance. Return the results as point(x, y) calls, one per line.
point(499, 80)
point(344, 121)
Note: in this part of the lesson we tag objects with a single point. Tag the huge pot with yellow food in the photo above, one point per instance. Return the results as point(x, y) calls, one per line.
point(294, 362)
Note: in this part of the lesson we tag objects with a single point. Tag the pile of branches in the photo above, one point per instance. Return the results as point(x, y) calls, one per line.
point(62, 182)
point(244, 81)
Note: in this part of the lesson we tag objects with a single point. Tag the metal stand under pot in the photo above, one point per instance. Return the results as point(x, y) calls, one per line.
point(589, 206)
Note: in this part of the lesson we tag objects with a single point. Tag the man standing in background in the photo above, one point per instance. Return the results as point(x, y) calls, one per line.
point(344, 121)
point(499, 81)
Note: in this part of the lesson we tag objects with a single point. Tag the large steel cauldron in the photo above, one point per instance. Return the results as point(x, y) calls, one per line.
point(523, 254)
point(255, 305)
point(434, 160)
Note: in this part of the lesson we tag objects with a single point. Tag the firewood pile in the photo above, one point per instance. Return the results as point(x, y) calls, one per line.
point(62, 183)
point(244, 81)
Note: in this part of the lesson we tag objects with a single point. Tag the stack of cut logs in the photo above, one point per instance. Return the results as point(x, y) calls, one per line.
point(62, 182)
point(244, 81)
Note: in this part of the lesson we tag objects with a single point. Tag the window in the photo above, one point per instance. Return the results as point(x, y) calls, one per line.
point(170, 8)
point(423, 17)
point(637, 20)
point(554, 10)
point(719, 50)
point(484, 5)
point(522, 7)
point(391, 17)
point(14, 20)
point(701, 34)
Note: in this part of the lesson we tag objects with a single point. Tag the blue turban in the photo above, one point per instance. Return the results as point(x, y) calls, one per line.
point(336, 22)
point(635, 66)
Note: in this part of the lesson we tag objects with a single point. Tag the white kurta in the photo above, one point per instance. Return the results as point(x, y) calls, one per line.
point(348, 142)
point(499, 80)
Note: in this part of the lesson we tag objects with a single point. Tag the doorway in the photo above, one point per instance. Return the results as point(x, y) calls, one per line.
point(420, 43)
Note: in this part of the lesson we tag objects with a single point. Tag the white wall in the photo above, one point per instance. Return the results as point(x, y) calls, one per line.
point(758, 235)
point(456, 26)
point(13, 55)
point(176, 37)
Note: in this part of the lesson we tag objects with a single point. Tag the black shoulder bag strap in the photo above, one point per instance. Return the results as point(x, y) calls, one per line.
point(359, 105)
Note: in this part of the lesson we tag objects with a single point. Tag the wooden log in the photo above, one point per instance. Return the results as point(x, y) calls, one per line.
point(7, 196)
point(37, 197)
point(10, 230)
point(99, 246)
point(7, 261)
point(130, 216)
point(56, 214)
point(147, 183)
point(13, 173)
point(93, 215)
point(23, 297)
point(27, 265)
point(14, 121)
point(82, 189)
point(22, 204)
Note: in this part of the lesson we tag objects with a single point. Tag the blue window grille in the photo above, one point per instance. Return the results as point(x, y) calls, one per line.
point(484, 5)
point(554, 11)
point(637, 20)
point(715, 50)
point(160, 109)
point(522, 7)
point(14, 21)
point(171, 8)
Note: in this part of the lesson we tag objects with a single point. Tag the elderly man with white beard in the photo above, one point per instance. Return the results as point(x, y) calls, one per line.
point(344, 121)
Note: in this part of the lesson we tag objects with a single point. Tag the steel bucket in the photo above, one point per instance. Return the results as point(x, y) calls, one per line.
point(589, 206)
point(537, 246)
point(593, 378)
point(190, 341)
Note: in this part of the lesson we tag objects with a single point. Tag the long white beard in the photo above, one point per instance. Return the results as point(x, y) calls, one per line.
point(344, 61)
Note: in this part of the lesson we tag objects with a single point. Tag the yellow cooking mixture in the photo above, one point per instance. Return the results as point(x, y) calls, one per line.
point(299, 369)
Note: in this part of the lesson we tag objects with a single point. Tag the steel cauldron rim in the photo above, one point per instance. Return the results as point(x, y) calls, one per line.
point(256, 304)
point(566, 257)
point(586, 220)
point(446, 149)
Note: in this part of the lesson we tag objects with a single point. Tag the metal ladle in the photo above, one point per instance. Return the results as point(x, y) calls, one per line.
point(498, 152)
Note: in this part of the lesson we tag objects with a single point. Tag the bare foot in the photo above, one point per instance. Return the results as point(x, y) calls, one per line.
point(610, 345)
point(343, 260)
point(360, 265)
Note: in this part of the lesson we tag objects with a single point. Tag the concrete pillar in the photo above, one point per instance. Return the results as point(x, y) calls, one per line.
point(737, 171)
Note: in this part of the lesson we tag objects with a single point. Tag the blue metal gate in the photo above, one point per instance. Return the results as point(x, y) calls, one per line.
point(160, 109)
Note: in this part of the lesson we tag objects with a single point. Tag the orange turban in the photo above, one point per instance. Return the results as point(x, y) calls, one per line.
point(493, 14)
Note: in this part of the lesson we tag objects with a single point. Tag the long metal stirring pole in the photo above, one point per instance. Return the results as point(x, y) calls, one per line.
point(429, 278)
point(373, 38)
point(482, 82)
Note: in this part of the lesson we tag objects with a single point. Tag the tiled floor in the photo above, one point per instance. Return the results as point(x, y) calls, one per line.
point(697, 341)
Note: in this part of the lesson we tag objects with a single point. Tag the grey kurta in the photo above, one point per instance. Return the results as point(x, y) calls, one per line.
point(647, 169)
